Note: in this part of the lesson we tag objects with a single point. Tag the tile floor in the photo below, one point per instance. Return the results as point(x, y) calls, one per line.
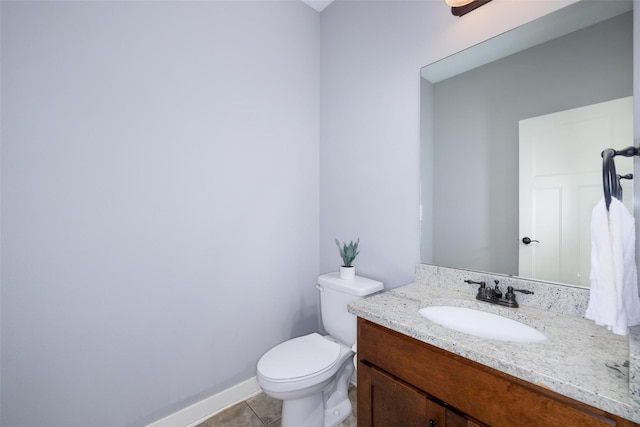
point(263, 411)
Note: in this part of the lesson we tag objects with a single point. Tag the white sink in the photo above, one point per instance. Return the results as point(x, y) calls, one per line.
point(482, 324)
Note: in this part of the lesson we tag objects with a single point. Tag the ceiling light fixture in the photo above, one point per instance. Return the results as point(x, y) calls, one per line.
point(461, 7)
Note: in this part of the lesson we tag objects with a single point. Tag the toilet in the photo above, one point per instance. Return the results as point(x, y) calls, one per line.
point(311, 373)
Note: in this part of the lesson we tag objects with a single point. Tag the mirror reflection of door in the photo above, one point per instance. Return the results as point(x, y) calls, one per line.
point(561, 182)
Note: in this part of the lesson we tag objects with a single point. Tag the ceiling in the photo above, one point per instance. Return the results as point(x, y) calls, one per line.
point(318, 5)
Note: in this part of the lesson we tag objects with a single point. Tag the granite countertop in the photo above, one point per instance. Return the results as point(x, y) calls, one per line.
point(580, 360)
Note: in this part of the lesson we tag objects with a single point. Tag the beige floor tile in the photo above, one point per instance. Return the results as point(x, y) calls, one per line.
point(266, 408)
point(239, 415)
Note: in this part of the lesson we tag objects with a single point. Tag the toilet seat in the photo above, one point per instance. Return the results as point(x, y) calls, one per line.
point(299, 358)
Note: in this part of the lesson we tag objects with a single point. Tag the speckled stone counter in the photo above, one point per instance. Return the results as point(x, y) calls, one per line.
point(580, 360)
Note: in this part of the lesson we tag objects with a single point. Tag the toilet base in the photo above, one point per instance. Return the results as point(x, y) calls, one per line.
point(335, 415)
point(308, 410)
point(326, 408)
point(337, 406)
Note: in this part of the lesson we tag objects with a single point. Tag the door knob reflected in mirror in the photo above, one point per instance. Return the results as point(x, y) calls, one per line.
point(527, 240)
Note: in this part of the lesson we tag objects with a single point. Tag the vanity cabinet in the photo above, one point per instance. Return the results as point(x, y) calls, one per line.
point(406, 382)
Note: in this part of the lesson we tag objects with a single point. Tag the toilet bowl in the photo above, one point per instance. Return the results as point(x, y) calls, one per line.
point(304, 373)
point(311, 373)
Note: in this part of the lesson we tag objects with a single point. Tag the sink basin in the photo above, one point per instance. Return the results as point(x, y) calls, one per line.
point(482, 324)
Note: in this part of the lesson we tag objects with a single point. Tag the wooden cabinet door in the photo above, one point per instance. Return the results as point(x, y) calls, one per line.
point(453, 419)
point(394, 403)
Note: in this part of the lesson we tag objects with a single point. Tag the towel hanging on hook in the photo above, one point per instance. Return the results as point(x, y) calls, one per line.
point(613, 295)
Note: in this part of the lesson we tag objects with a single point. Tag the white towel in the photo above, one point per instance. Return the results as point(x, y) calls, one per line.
point(613, 299)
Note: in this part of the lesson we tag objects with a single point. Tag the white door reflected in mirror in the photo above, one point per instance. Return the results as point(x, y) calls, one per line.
point(561, 182)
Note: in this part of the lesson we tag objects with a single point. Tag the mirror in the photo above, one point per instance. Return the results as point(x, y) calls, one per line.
point(472, 104)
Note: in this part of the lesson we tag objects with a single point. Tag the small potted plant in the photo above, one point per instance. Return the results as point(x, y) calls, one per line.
point(348, 254)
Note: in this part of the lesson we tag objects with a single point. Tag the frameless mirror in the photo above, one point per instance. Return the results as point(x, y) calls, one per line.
point(528, 100)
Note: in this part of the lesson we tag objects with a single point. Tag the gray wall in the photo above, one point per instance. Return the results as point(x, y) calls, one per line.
point(475, 172)
point(159, 202)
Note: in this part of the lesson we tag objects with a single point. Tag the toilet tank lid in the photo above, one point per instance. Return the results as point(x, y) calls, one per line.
point(358, 286)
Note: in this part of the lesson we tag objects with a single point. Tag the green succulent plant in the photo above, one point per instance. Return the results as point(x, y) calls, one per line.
point(348, 252)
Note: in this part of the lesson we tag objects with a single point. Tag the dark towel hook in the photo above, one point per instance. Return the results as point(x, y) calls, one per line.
point(610, 179)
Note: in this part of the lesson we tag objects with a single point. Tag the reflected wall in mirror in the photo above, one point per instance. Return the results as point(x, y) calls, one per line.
point(470, 131)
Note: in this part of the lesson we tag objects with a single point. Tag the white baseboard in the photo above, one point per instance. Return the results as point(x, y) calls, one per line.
point(200, 411)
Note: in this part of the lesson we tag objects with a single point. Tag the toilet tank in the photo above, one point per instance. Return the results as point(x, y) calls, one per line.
point(335, 295)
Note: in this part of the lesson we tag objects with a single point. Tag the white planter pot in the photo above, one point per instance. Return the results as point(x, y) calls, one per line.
point(347, 273)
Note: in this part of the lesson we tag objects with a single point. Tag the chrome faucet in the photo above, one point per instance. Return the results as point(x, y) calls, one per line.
point(494, 295)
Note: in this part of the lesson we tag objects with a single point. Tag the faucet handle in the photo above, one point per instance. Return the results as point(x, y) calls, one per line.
point(482, 289)
point(510, 297)
point(510, 293)
point(524, 291)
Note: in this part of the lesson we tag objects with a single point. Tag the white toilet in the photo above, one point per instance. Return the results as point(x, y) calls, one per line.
point(311, 374)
